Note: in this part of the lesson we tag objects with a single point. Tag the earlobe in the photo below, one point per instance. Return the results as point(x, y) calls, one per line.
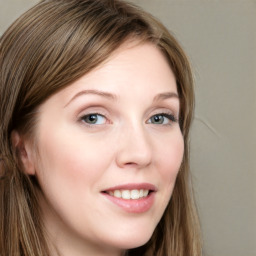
point(24, 152)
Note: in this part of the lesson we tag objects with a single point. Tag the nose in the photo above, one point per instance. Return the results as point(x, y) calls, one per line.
point(134, 148)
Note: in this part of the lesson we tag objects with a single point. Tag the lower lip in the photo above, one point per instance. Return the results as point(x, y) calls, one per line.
point(133, 205)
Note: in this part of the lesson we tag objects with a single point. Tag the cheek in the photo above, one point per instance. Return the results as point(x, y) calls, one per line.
point(72, 160)
point(68, 173)
point(170, 158)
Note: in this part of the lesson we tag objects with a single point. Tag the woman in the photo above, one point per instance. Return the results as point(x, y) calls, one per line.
point(96, 105)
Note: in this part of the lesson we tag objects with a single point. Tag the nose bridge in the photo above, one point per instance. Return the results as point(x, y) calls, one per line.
point(134, 145)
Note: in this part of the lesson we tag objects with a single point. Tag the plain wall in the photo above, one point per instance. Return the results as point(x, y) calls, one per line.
point(219, 37)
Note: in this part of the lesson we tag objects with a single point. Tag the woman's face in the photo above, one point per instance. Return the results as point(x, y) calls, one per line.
point(109, 150)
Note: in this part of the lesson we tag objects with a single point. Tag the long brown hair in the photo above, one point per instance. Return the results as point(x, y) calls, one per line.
point(46, 49)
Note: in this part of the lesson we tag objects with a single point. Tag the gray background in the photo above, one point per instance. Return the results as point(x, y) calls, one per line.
point(219, 37)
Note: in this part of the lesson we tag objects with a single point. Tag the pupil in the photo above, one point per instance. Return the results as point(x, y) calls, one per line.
point(92, 119)
point(158, 119)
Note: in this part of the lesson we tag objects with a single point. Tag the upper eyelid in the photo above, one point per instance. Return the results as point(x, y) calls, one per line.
point(165, 110)
point(108, 112)
point(93, 113)
point(92, 110)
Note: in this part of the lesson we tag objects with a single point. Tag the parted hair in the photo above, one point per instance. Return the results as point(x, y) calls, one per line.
point(49, 47)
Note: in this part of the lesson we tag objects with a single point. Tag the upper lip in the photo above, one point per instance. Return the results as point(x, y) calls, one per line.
point(131, 186)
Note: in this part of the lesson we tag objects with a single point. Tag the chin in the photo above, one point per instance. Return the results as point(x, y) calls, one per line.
point(133, 240)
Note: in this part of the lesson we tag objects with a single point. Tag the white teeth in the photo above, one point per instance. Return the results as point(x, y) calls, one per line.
point(135, 194)
point(145, 193)
point(126, 194)
point(129, 194)
point(117, 193)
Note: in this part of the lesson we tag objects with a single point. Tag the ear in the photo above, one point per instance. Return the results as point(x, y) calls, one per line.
point(24, 151)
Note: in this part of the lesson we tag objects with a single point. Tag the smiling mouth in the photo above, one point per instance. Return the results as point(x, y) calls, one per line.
point(129, 194)
point(132, 198)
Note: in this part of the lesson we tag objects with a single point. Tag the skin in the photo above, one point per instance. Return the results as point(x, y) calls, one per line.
point(76, 161)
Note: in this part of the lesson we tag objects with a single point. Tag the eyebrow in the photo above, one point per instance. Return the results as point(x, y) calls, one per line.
point(110, 96)
point(95, 92)
point(166, 95)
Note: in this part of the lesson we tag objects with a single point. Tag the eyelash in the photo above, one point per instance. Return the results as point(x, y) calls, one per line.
point(170, 117)
point(91, 114)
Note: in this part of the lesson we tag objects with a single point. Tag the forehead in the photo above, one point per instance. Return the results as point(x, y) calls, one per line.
point(135, 71)
point(134, 65)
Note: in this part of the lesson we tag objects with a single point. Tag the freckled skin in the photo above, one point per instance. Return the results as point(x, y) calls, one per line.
point(77, 161)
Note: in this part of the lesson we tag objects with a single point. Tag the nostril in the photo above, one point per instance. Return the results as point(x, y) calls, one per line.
point(130, 164)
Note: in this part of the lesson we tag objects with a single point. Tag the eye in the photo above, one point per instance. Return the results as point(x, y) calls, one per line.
point(94, 119)
point(162, 118)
